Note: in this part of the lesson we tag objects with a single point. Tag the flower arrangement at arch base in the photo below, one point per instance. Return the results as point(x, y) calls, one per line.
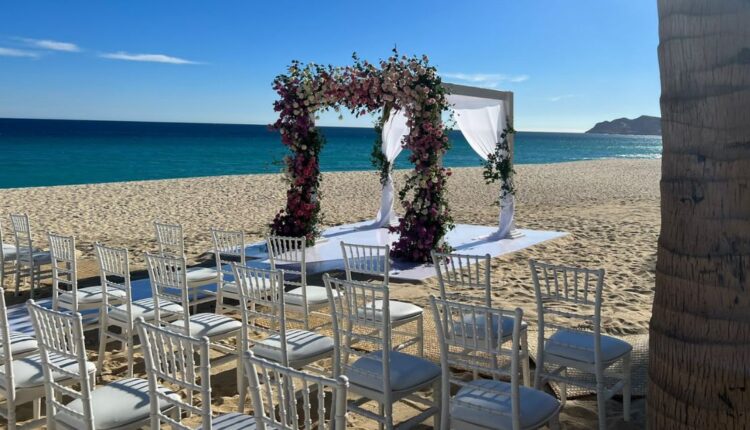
point(408, 84)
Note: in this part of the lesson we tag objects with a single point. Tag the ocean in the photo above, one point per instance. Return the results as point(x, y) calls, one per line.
point(64, 152)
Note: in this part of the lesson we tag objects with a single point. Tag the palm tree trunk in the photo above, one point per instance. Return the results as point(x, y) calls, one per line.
point(699, 374)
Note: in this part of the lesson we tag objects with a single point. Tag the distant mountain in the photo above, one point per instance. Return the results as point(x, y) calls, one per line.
point(650, 125)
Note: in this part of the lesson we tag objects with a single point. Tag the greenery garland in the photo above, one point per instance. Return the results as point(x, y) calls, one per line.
point(499, 165)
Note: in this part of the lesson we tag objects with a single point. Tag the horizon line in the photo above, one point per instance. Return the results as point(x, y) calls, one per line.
point(238, 123)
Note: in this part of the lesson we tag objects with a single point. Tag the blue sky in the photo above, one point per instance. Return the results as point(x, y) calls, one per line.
point(571, 63)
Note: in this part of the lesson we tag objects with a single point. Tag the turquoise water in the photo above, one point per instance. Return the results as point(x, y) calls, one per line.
point(56, 152)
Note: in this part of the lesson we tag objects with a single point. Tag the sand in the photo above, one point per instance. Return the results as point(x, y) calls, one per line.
point(610, 208)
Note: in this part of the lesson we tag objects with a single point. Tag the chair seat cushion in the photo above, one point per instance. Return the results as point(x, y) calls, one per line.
point(407, 371)
point(487, 403)
point(233, 421)
point(579, 346)
point(232, 288)
point(117, 404)
point(201, 274)
point(207, 324)
point(40, 257)
point(28, 372)
point(9, 252)
point(505, 324)
point(91, 295)
point(315, 296)
point(302, 347)
point(398, 310)
point(144, 308)
point(20, 344)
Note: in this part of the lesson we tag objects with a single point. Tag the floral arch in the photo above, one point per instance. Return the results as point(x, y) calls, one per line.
point(410, 98)
point(408, 84)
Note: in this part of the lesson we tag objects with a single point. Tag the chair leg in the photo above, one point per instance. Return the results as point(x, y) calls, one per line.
point(18, 278)
point(103, 330)
point(525, 365)
point(37, 407)
point(626, 364)
point(381, 412)
point(219, 300)
point(601, 403)
point(420, 333)
point(564, 386)
point(10, 406)
point(539, 369)
point(130, 347)
point(241, 383)
point(437, 399)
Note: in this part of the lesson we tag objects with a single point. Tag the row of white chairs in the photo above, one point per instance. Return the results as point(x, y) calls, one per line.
point(559, 345)
point(178, 367)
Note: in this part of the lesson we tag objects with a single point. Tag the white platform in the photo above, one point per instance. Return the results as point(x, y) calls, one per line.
point(464, 238)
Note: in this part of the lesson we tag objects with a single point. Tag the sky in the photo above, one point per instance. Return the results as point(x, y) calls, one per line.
point(570, 63)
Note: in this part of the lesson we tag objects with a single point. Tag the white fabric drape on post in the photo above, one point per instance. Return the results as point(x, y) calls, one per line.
point(482, 122)
point(394, 131)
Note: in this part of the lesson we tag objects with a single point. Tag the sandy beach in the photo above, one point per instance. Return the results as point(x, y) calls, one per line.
point(609, 207)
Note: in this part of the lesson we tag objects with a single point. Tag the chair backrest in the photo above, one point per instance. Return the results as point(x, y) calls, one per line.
point(478, 348)
point(265, 290)
point(360, 316)
point(64, 271)
point(568, 298)
point(279, 393)
point(114, 272)
point(289, 253)
point(229, 247)
point(22, 235)
point(371, 260)
point(60, 339)
point(170, 239)
point(172, 362)
point(463, 271)
point(168, 277)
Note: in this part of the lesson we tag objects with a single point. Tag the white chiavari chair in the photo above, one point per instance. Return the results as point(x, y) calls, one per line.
point(171, 242)
point(169, 284)
point(122, 404)
point(384, 376)
point(461, 272)
point(298, 349)
point(283, 398)
point(486, 402)
point(289, 254)
point(114, 273)
point(30, 262)
point(373, 260)
point(229, 248)
point(20, 376)
point(183, 364)
point(66, 295)
point(569, 301)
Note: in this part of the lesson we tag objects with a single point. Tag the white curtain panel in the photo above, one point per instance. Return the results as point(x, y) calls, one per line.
point(482, 122)
point(394, 131)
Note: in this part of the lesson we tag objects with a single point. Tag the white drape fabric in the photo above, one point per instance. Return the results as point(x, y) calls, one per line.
point(394, 131)
point(482, 122)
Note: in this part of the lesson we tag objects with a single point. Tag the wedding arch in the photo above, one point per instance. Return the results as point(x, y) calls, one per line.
point(411, 98)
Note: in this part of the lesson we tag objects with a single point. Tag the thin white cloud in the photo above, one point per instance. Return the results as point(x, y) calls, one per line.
point(10, 52)
point(52, 45)
point(149, 58)
point(563, 97)
point(490, 80)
